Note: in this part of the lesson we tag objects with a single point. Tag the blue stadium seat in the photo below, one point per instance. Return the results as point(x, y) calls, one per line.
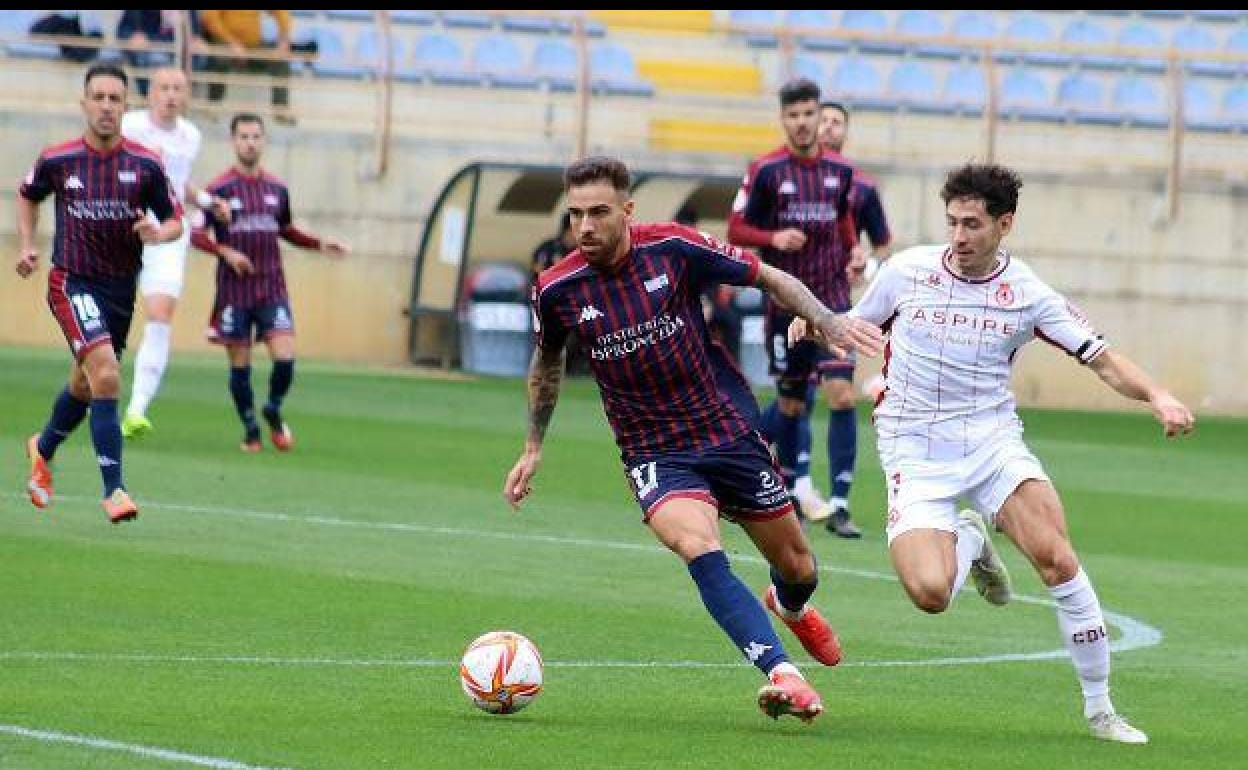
point(528, 24)
point(1030, 27)
point(1137, 34)
point(467, 20)
point(1235, 106)
point(1237, 43)
point(1222, 15)
point(809, 67)
point(1195, 38)
point(499, 59)
point(859, 83)
point(1164, 13)
point(1082, 96)
point(1083, 31)
point(439, 57)
point(966, 89)
point(1141, 100)
point(414, 18)
point(368, 52)
point(1024, 94)
point(974, 25)
point(1200, 108)
point(555, 62)
point(816, 20)
point(612, 69)
point(869, 20)
point(760, 18)
point(913, 85)
point(332, 60)
point(15, 26)
point(920, 21)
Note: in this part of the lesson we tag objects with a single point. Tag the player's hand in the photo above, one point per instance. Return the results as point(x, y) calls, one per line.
point(839, 333)
point(27, 263)
point(789, 239)
point(335, 247)
point(518, 484)
point(221, 210)
point(857, 267)
point(147, 229)
point(237, 261)
point(1174, 416)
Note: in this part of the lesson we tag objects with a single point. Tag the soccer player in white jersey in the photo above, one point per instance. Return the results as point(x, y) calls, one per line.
point(162, 129)
point(946, 425)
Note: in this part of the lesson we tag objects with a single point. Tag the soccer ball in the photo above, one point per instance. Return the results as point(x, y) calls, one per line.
point(501, 672)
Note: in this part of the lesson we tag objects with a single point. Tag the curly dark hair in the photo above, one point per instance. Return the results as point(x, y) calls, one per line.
point(997, 186)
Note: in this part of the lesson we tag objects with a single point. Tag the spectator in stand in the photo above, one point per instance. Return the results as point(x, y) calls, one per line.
point(141, 28)
point(241, 31)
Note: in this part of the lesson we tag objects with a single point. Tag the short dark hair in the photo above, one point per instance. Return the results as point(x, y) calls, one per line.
point(830, 105)
point(798, 90)
point(245, 117)
point(597, 168)
point(106, 70)
point(997, 186)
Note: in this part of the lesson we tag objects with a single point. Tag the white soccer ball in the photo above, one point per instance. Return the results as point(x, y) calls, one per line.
point(501, 672)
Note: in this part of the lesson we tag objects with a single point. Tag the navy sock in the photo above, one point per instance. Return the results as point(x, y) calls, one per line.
point(767, 422)
point(801, 463)
point(280, 378)
point(67, 414)
point(244, 401)
point(842, 448)
point(737, 611)
point(785, 437)
point(794, 595)
point(106, 435)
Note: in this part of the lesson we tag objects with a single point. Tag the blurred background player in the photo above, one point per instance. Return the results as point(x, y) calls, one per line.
point(631, 295)
point(104, 187)
point(162, 128)
point(947, 428)
point(794, 205)
point(252, 302)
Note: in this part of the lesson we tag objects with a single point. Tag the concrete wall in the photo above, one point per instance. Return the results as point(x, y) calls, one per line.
point(1173, 295)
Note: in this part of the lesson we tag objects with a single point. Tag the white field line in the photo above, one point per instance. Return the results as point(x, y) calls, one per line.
point(148, 752)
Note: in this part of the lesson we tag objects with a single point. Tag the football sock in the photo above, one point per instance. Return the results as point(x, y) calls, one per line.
point(67, 414)
point(792, 597)
point(149, 366)
point(737, 611)
point(1083, 631)
point(280, 378)
point(785, 433)
point(244, 402)
point(968, 547)
point(842, 448)
point(106, 435)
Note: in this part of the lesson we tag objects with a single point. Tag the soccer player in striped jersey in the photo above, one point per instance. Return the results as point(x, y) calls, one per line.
point(957, 315)
point(794, 206)
point(107, 190)
point(252, 302)
point(631, 295)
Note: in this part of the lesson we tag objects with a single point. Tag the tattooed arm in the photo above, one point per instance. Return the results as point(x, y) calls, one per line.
point(836, 330)
point(545, 379)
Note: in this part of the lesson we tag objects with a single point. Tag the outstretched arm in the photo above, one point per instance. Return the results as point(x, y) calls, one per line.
point(1123, 375)
point(835, 330)
point(545, 380)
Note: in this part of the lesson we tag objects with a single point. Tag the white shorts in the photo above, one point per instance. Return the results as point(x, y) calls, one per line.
point(924, 494)
point(164, 265)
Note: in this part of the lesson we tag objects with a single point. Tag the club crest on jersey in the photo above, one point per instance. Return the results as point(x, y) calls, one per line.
point(656, 283)
point(590, 313)
point(1004, 295)
point(788, 188)
point(127, 177)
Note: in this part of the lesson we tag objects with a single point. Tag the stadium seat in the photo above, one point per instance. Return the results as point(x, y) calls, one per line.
point(1024, 94)
point(1222, 15)
point(555, 62)
point(612, 69)
point(1235, 107)
point(368, 51)
point(1141, 101)
point(1200, 108)
point(439, 58)
point(528, 24)
point(1082, 97)
point(1138, 34)
point(1237, 43)
point(974, 25)
point(1084, 31)
point(413, 18)
point(15, 27)
point(966, 89)
point(869, 20)
point(467, 20)
point(858, 82)
point(332, 60)
point(815, 20)
point(1164, 13)
point(499, 59)
point(1030, 27)
point(913, 85)
point(920, 21)
point(1195, 38)
point(759, 18)
point(809, 67)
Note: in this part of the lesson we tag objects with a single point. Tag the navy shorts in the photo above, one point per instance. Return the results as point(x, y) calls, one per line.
point(795, 367)
point(740, 478)
point(233, 325)
point(91, 311)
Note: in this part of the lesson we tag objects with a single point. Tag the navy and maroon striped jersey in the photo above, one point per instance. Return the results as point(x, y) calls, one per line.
point(99, 198)
point(260, 208)
point(869, 217)
point(642, 329)
point(782, 190)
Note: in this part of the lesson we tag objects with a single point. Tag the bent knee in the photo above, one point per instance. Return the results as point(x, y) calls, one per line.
point(791, 407)
point(931, 599)
point(797, 566)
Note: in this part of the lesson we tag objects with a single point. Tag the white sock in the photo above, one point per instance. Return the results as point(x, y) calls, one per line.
point(1083, 631)
point(784, 668)
point(803, 485)
point(969, 546)
point(149, 366)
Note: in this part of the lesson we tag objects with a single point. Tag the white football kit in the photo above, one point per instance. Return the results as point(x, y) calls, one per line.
point(165, 263)
point(946, 423)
